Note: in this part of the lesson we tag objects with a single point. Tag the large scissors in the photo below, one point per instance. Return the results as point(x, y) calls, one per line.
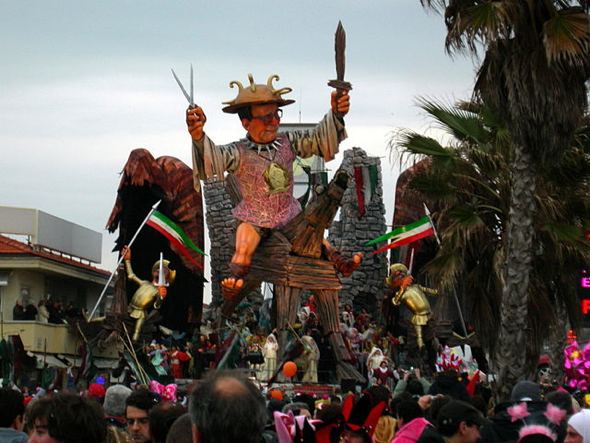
point(190, 96)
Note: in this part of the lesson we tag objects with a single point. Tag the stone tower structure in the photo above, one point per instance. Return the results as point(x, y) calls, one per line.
point(365, 288)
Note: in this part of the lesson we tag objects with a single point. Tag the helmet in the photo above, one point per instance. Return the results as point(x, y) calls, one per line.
point(398, 267)
point(256, 94)
point(171, 272)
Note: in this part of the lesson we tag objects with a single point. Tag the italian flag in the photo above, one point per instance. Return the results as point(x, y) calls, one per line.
point(405, 234)
point(179, 241)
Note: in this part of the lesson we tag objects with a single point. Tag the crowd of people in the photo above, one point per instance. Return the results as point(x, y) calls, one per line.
point(227, 407)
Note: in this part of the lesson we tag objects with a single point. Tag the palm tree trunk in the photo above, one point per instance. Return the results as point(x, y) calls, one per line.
point(510, 361)
point(557, 341)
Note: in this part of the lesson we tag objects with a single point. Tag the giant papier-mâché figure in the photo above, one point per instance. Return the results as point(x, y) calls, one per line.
point(262, 162)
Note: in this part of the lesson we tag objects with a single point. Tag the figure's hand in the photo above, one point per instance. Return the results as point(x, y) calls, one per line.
point(195, 121)
point(417, 373)
point(126, 252)
point(340, 102)
point(162, 291)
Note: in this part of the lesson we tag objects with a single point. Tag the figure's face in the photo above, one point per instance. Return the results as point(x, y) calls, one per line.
point(572, 436)
point(40, 433)
point(138, 425)
point(263, 126)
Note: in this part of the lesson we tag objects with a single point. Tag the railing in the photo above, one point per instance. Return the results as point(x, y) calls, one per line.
point(48, 338)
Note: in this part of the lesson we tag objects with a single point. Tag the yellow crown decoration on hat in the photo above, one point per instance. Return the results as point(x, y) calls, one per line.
point(256, 94)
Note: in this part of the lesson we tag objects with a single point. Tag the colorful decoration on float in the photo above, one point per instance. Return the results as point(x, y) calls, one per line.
point(577, 366)
point(448, 361)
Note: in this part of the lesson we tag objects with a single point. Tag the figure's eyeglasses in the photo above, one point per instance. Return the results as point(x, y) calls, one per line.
point(268, 118)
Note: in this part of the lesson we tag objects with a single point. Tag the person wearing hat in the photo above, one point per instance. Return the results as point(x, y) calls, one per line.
point(578, 427)
point(262, 162)
point(502, 426)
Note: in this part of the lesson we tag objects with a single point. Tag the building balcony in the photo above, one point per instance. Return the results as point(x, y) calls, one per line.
point(52, 339)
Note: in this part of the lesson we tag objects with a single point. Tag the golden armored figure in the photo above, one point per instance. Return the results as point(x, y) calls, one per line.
point(149, 292)
point(413, 296)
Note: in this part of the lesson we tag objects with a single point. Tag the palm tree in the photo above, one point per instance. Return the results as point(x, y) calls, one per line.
point(468, 181)
point(537, 60)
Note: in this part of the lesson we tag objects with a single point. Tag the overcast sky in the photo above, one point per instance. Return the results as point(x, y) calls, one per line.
point(84, 83)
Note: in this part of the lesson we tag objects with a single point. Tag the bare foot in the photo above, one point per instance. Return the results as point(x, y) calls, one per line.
point(347, 267)
point(231, 287)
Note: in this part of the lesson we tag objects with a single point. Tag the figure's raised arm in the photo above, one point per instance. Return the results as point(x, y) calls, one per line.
point(324, 139)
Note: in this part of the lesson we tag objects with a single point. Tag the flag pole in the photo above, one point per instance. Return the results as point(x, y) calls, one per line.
point(459, 310)
point(104, 290)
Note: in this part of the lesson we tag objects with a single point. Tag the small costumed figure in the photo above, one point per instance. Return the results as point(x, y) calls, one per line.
point(373, 362)
point(157, 358)
point(177, 358)
point(150, 293)
point(413, 297)
point(383, 374)
point(312, 356)
point(269, 352)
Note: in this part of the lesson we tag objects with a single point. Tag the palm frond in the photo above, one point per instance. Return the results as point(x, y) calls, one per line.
point(483, 22)
point(566, 37)
point(462, 124)
point(419, 144)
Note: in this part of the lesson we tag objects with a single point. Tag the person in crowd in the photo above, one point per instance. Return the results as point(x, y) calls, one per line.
point(30, 312)
point(12, 409)
point(18, 312)
point(562, 399)
point(114, 405)
point(412, 382)
point(459, 422)
point(162, 417)
point(138, 407)
point(43, 312)
point(578, 427)
point(448, 383)
point(298, 408)
point(181, 430)
point(227, 408)
point(385, 429)
point(96, 392)
point(65, 418)
point(410, 422)
point(501, 426)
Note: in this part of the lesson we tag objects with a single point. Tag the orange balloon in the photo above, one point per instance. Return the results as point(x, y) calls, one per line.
point(276, 394)
point(289, 369)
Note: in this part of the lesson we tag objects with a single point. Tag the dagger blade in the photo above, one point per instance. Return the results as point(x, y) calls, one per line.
point(339, 48)
point(188, 98)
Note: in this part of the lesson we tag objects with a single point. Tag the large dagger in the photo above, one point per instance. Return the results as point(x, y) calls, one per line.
point(339, 47)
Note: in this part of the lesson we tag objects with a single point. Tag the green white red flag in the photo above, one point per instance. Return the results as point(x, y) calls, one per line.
point(179, 240)
point(405, 234)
